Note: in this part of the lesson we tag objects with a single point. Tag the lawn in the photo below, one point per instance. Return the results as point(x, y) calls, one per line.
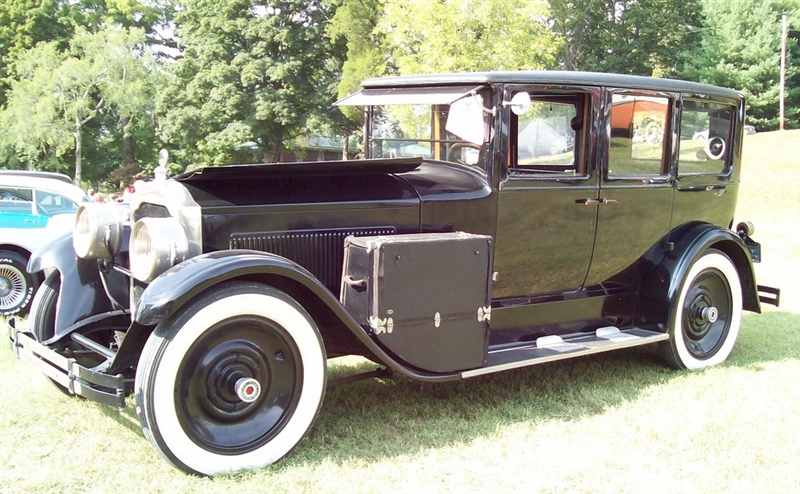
point(612, 422)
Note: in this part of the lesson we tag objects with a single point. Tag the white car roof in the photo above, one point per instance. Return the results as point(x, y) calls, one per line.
point(55, 185)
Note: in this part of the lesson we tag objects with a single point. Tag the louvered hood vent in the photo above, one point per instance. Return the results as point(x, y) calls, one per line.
point(319, 251)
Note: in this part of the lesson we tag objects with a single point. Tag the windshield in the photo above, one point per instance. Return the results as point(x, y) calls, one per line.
point(454, 128)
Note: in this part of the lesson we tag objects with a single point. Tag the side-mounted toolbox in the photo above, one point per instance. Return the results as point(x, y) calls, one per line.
point(425, 297)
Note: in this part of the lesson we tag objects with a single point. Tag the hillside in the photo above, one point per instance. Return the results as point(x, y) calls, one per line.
point(770, 197)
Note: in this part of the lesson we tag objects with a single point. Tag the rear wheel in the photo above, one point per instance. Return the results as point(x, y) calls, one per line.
point(17, 286)
point(232, 381)
point(707, 315)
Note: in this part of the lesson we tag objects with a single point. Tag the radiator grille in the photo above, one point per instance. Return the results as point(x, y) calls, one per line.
point(319, 251)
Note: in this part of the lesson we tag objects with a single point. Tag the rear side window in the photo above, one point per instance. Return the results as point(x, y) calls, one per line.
point(50, 204)
point(638, 127)
point(706, 129)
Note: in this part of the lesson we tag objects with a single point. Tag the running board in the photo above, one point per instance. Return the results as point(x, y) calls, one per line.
point(552, 348)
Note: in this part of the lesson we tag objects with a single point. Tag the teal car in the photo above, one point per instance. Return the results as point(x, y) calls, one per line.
point(34, 206)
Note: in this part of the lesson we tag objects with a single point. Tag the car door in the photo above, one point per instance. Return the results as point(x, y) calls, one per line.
point(636, 186)
point(545, 231)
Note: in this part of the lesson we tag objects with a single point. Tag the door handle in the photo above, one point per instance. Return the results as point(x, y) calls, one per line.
point(596, 202)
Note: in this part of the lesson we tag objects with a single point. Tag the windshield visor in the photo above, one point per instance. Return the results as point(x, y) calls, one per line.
point(440, 123)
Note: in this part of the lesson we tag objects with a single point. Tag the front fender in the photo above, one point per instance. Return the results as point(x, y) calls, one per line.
point(182, 282)
point(688, 243)
point(179, 284)
point(81, 293)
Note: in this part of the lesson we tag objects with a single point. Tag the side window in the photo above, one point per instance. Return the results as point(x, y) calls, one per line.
point(705, 137)
point(50, 204)
point(14, 194)
point(13, 200)
point(546, 136)
point(638, 127)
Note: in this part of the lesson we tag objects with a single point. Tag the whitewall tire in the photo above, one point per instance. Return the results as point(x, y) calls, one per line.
point(232, 381)
point(707, 314)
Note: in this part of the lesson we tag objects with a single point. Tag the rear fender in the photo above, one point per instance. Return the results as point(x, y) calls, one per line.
point(181, 283)
point(688, 243)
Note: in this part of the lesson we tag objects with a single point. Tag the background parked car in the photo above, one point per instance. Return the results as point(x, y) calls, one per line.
point(34, 206)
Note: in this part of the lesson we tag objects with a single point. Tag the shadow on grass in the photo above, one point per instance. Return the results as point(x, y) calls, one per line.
point(371, 420)
point(375, 419)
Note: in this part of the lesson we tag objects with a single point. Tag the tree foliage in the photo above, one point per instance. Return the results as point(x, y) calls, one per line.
point(250, 73)
point(60, 93)
point(740, 48)
point(23, 24)
point(468, 35)
point(356, 21)
point(644, 37)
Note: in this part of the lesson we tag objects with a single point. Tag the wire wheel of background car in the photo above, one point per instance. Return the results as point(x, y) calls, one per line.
point(234, 380)
point(707, 315)
point(17, 286)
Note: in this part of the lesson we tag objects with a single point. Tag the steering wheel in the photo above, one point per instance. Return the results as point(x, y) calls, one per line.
point(460, 145)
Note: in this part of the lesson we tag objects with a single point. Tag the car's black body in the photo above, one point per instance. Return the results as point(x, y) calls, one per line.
point(581, 259)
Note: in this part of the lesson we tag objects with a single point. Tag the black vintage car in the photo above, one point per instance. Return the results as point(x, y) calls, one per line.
point(462, 245)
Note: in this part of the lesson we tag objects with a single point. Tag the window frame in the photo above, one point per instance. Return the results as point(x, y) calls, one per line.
point(728, 165)
point(667, 145)
point(582, 99)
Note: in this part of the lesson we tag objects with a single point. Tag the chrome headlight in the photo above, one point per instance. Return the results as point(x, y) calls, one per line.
point(97, 233)
point(156, 245)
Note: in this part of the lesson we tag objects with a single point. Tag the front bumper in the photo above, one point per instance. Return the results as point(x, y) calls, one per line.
point(67, 372)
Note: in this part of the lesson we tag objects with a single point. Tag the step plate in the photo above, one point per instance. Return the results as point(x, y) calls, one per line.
point(552, 348)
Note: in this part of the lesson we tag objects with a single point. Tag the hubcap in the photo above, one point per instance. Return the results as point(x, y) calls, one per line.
point(710, 314)
point(248, 389)
point(12, 287)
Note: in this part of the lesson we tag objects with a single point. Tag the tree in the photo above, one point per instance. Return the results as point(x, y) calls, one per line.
point(469, 35)
point(644, 37)
point(250, 73)
point(367, 55)
point(58, 94)
point(740, 49)
point(23, 24)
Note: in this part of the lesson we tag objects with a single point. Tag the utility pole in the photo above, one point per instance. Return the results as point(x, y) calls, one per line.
point(783, 65)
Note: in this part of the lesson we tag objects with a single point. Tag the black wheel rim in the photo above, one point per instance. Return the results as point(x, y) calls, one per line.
point(208, 407)
point(706, 316)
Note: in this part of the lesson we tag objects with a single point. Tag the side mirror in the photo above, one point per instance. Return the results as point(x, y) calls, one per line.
point(519, 103)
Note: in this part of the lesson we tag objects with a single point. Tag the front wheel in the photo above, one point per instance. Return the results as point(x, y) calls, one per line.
point(232, 381)
point(706, 319)
point(17, 286)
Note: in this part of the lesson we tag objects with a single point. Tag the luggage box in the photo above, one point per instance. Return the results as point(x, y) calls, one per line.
point(425, 297)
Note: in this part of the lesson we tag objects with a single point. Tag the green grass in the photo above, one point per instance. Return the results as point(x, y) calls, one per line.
point(770, 196)
point(616, 422)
